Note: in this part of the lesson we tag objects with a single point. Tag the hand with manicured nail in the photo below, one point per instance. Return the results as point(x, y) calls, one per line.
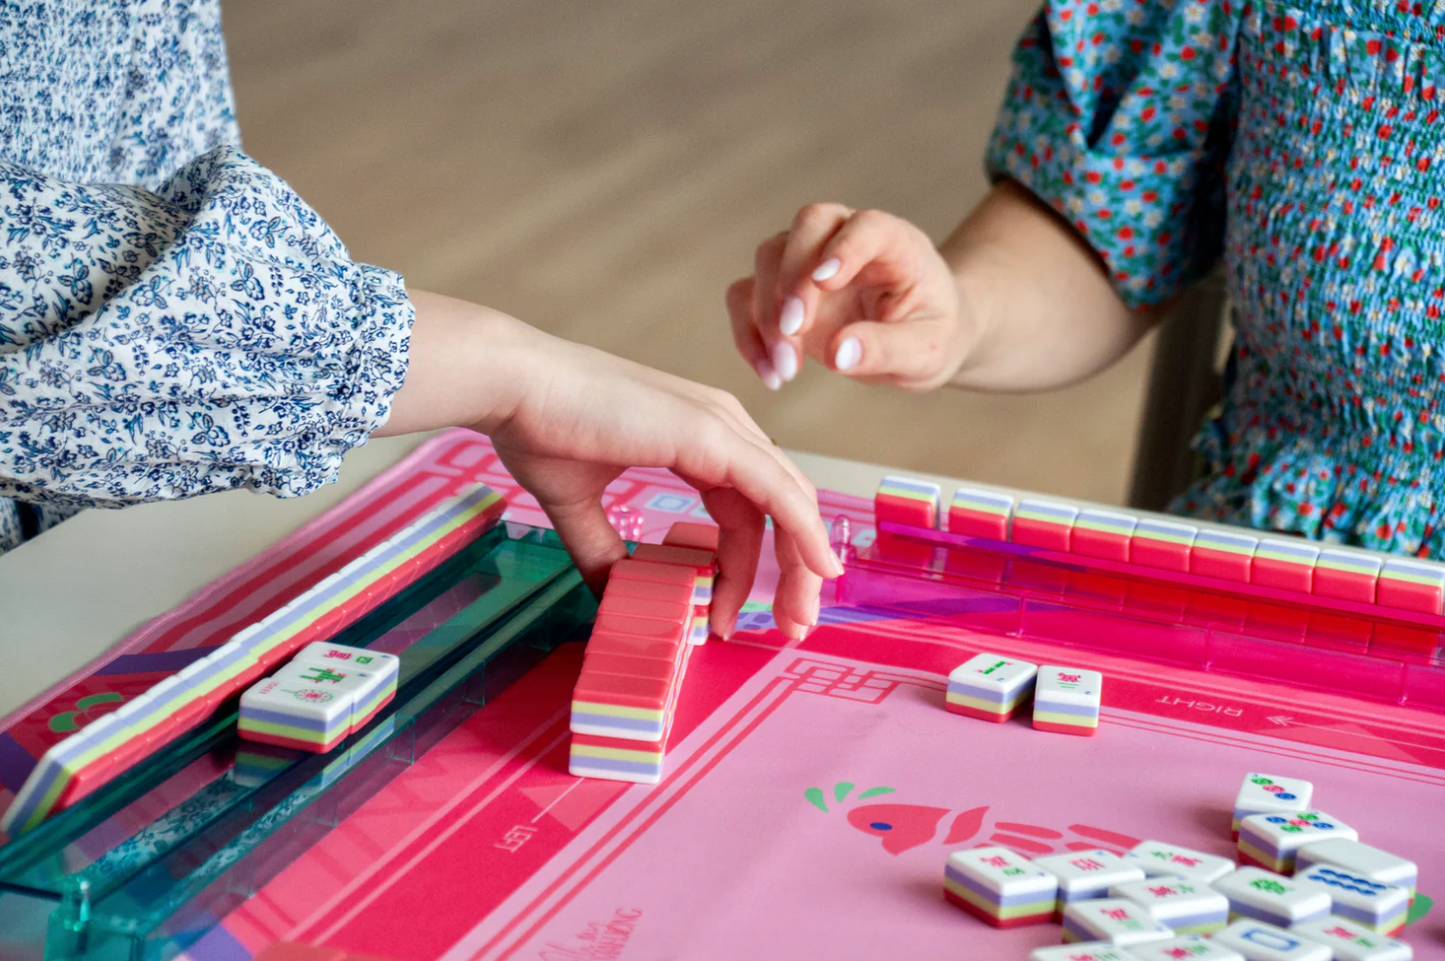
point(566, 420)
point(863, 292)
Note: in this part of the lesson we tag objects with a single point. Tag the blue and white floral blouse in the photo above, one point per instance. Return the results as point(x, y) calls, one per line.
point(174, 320)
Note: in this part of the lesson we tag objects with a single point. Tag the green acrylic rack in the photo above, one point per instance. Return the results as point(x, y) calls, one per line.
point(88, 885)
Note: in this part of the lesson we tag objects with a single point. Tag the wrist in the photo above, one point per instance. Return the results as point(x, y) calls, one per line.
point(468, 366)
point(971, 288)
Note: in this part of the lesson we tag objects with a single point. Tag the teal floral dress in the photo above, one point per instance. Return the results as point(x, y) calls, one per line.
point(1302, 143)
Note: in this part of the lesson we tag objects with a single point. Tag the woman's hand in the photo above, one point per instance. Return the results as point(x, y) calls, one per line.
point(567, 420)
point(863, 292)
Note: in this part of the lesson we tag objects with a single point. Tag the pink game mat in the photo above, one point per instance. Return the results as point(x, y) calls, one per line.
point(813, 790)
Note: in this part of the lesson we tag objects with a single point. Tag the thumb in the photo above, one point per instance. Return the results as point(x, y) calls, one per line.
point(915, 354)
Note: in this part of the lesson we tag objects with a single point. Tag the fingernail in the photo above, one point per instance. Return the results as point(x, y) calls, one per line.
point(767, 375)
point(785, 360)
point(790, 321)
point(850, 351)
point(827, 269)
point(835, 567)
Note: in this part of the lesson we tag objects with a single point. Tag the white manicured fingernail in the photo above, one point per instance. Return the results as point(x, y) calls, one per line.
point(790, 321)
point(827, 269)
point(767, 375)
point(849, 353)
point(785, 360)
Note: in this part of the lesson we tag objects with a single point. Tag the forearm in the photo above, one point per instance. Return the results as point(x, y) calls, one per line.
point(464, 367)
point(1041, 310)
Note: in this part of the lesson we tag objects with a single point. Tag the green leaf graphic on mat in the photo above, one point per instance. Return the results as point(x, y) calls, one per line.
point(754, 607)
point(841, 790)
point(1419, 908)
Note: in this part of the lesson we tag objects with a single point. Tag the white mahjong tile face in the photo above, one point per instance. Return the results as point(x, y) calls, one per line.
point(993, 670)
point(1116, 920)
point(1189, 948)
point(359, 658)
point(1089, 869)
point(1265, 942)
point(308, 691)
point(1348, 941)
point(1159, 859)
point(1288, 832)
point(1361, 859)
point(1273, 893)
point(1352, 892)
point(1000, 868)
point(1166, 897)
point(1069, 685)
point(1262, 793)
point(1081, 951)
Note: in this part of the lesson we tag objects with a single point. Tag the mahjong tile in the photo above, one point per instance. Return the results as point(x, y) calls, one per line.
point(1349, 941)
point(310, 692)
point(1273, 839)
point(1359, 858)
point(1185, 905)
point(1083, 875)
point(999, 886)
point(1273, 898)
point(1270, 794)
point(1191, 947)
point(1116, 920)
point(999, 869)
point(990, 685)
point(1000, 676)
point(1377, 906)
point(1258, 941)
point(1158, 859)
point(1069, 685)
point(361, 658)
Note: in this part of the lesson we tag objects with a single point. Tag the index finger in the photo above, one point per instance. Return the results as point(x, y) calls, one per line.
point(724, 457)
point(796, 294)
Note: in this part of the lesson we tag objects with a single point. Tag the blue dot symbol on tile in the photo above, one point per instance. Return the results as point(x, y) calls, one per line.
point(1286, 797)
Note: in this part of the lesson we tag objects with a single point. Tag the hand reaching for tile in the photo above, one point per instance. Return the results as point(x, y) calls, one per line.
point(567, 420)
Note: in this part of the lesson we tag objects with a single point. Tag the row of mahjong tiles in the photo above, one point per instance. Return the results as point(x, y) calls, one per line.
point(1170, 544)
point(653, 611)
point(1345, 900)
point(99, 751)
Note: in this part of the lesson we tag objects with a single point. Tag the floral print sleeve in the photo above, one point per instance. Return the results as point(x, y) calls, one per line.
point(208, 335)
point(1119, 116)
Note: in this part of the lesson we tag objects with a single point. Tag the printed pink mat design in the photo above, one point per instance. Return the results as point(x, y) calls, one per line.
point(813, 794)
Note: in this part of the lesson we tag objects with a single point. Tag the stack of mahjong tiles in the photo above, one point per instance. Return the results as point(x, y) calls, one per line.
point(1346, 901)
point(1153, 542)
point(653, 611)
point(114, 743)
point(993, 687)
point(324, 693)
